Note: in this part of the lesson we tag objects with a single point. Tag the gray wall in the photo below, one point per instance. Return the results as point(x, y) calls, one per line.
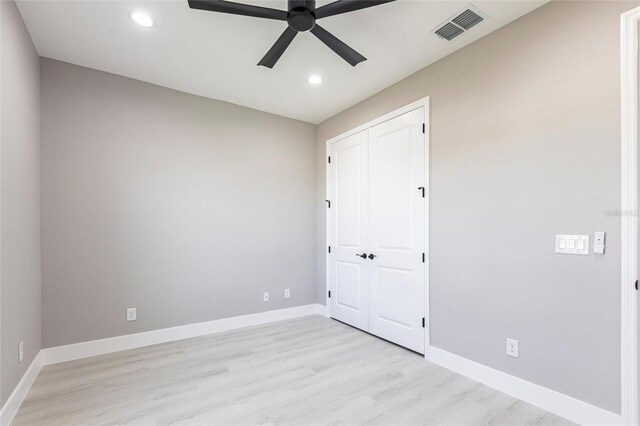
point(20, 199)
point(525, 144)
point(184, 207)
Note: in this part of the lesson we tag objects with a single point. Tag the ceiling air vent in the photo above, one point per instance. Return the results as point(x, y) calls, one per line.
point(449, 31)
point(467, 19)
point(459, 23)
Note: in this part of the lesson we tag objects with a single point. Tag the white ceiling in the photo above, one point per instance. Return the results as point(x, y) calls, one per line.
point(215, 55)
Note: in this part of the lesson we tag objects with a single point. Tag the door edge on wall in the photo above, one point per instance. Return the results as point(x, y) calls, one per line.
point(420, 103)
point(629, 34)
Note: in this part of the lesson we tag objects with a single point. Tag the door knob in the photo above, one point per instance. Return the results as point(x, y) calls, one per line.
point(363, 255)
point(371, 256)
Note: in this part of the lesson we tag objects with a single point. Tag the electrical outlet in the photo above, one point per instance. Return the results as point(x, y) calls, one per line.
point(265, 296)
point(287, 293)
point(512, 348)
point(131, 314)
point(20, 351)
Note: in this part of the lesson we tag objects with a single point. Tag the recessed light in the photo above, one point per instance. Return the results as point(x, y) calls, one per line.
point(142, 19)
point(315, 79)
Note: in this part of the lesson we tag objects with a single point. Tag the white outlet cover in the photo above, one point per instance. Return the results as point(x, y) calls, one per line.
point(287, 293)
point(132, 315)
point(512, 348)
point(265, 296)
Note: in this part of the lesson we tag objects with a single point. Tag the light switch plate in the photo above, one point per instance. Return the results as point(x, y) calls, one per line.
point(572, 244)
point(599, 242)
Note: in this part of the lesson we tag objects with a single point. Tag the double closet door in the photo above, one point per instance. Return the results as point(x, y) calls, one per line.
point(377, 230)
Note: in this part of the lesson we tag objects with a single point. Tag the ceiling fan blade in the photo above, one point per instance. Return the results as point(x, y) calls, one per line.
point(344, 6)
point(238, 9)
point(278, 48)
point(347, 53)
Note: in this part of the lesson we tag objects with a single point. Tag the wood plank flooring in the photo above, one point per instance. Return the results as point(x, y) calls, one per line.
point(305, 371)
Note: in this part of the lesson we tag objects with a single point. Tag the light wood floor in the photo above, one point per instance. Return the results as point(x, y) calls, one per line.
point(310, 370)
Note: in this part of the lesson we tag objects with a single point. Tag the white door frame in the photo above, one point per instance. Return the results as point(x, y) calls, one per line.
point(420, 103)
point(629, 213)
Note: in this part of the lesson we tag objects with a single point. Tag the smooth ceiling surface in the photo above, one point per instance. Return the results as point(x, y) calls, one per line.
point(215, 55)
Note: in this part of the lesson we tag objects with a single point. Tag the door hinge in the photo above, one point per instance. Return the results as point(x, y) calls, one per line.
point(423, 128)
point(329, 294)
point(328, 203)
point(329, 159)
point(421, 188)
point(423, 256)
point(329, 249)
point(423, 322)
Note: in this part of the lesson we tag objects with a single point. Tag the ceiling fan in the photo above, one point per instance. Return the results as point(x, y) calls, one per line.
point(300, 17)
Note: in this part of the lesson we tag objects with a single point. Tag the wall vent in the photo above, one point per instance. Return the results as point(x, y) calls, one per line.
point(459, 23)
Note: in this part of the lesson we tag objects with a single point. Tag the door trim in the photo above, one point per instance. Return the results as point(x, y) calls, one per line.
point(629, 22)
point(420, 103)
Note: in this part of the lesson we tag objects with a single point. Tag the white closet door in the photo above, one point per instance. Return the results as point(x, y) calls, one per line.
point(348, 230)
point(397, 230)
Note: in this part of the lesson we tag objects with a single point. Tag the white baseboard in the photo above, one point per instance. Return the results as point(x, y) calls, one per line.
point(322, 310)
point(131, 341)
point(547, 399)
point(12, 405)
point(555, 402)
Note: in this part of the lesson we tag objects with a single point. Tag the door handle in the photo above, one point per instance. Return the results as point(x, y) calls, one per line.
point(371, 256)
point(363, 255)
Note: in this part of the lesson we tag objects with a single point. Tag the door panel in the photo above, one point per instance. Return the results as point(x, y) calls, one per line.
point(349, 196)
point(397, 230)
point(348, 230)
point(395, 290)
point(393, 190)
point(349, 293)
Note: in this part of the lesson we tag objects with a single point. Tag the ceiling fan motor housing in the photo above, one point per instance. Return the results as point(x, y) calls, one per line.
point(301, 17)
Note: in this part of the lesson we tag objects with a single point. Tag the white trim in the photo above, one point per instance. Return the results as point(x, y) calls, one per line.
point(327, 232)
point(424, 102)
point(629, 211)
point(547, 399)
point(12, 405)
point(420, 103)
point(427, 230)
point(130, 341)
point(322, 310)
